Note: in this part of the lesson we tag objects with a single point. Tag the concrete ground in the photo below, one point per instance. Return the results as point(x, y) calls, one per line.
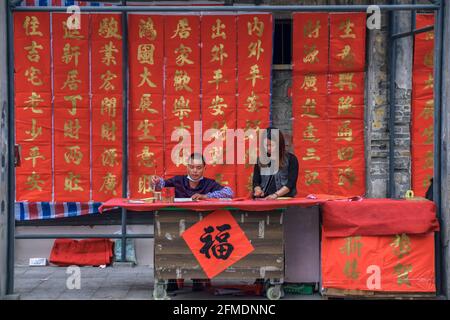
point(110, 283)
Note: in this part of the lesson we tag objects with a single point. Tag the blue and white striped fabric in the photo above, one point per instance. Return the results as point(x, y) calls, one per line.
point(65, 3)
point(49, 210)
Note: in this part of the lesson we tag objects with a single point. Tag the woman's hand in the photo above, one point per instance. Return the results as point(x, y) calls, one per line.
point(273, 196)
point(258, 193)
point(199, 196)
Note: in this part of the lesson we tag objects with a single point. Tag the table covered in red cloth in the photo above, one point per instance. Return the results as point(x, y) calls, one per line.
point(341, 216)
point(207, 205)
point(377, 217)
point(379, 245)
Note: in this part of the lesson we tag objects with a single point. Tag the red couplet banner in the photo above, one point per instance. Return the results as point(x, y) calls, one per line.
point(346, 103)
point(182, 95)
point(422, 127)
point(328, 102)
point(33, 105)
point(254, 81)
point(219, 88)
point(309, 102)
point(107, 105)
point(183, 69)
point(146, 98)
point(72, 115)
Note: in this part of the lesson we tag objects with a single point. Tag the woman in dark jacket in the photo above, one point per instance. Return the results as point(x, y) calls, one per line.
point(277, 177)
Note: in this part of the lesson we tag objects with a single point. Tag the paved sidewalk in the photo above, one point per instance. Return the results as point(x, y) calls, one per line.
point(111, 283)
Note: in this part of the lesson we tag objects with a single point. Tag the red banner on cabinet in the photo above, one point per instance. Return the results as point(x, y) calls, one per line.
point(217, 242)
point(397, 263)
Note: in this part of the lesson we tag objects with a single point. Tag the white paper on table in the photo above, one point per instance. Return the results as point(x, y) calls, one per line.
point(182, 200)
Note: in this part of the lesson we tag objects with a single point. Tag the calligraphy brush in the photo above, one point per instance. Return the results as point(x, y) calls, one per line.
point(154, 174)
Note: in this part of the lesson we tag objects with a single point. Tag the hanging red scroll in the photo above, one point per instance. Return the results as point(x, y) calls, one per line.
point(422, 127)
point(72, 109)
point(182, 89)
point(328, 103)
point(254, 91)
point(346, 103)
point(33, 106)
point(107, 90)
point(397, 263)
point(219, 66)
point(309, 101)
point(146, 127)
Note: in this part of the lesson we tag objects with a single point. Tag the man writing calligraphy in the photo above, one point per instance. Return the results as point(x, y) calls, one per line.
point(194, 185)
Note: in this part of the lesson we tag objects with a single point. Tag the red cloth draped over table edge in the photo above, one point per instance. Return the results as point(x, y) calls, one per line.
point(377, 217)
point(212, 204)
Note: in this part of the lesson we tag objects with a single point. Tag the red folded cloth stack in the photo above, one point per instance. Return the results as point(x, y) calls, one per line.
point(89, 252)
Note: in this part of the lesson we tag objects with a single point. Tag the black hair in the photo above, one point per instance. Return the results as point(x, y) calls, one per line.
point(282, 152)
point(197, 155)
